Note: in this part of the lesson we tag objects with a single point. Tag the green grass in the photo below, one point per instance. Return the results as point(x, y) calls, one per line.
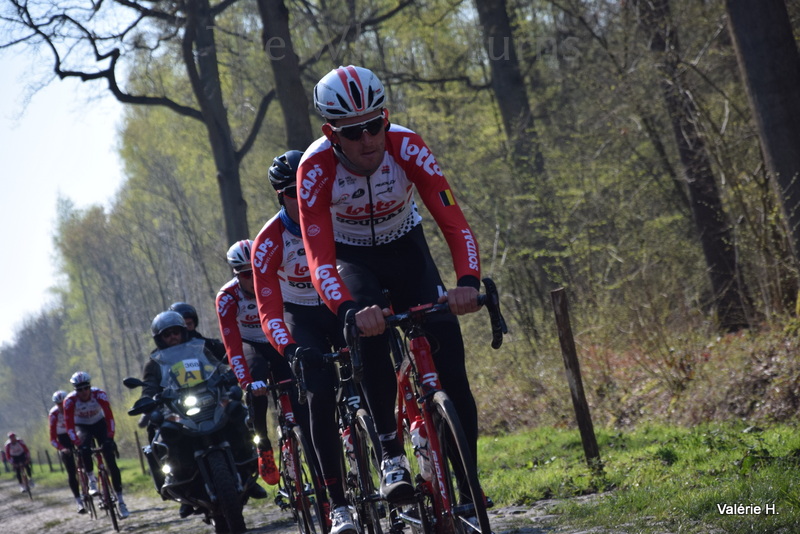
point(655, 478)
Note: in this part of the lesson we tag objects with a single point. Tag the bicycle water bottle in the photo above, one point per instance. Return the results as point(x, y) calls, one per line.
point(420, 441)
point(347, 442)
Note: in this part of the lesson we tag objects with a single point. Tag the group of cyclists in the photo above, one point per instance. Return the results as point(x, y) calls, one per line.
point(348, 228)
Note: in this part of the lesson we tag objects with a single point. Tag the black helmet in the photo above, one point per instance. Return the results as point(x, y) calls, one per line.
point(168, 319)
point(186, 310)
point(284, 168)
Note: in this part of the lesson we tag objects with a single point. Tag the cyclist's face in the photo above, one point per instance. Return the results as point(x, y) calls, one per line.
point(84, 392)
point(366, 152)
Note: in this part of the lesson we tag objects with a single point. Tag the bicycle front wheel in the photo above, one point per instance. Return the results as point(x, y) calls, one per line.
point(300, 483)
point(459, 473)
point(109, 502)
point(368, 454)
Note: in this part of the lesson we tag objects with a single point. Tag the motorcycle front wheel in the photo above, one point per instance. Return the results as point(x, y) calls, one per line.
point(228, 502)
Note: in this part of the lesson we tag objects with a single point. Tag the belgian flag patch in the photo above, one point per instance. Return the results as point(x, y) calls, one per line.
point(447, 198)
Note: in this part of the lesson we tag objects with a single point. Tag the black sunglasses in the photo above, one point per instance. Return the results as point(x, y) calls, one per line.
point(83, 388)
point(290, 191)
point(353, 132)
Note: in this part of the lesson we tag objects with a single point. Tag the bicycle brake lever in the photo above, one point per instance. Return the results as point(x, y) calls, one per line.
point(492, 303)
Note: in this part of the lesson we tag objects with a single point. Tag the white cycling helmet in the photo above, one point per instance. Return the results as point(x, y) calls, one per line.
point(80, 378)
point(349, 92)
point(59, 396)
point(239, 255)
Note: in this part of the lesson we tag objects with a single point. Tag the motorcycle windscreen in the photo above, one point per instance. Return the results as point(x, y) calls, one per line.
point(185, 365)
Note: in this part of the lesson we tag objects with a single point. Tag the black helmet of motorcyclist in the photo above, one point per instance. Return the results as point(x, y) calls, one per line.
point(186, 310)
point(165, 320)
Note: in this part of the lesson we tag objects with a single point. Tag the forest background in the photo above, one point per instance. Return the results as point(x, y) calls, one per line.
point(608, 147)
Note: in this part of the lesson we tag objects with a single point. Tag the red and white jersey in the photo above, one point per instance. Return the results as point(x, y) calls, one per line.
point(16, 449)
point(78, 412)
point(280, 274)
point(58, 425)
point(237, 314)
point(337, 205)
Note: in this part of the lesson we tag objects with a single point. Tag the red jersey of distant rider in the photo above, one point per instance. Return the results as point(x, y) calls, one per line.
point(335, 206)
point(77, 412)
point(237, 314)
point(281, 275)
point(58, 425)
point(15, 450)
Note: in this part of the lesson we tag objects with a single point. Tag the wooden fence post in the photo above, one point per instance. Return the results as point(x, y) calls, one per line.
point(139, 452)
point(573, 368)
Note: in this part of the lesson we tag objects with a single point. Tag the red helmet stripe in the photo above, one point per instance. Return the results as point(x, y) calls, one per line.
point(343, 75)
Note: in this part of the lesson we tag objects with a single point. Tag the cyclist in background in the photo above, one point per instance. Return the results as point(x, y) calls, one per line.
point(20, 457)
point(300, 325)
point(88, 418)
point(189, 314)
point(60, 440)
point(251, 355)
point(362, 233)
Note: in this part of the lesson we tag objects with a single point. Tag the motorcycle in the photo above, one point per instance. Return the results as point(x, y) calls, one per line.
point(199, 452)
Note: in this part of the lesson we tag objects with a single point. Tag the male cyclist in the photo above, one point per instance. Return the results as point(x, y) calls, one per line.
point(189, 314)
point(300, 325)
point(251, 356)
point(60, 440)
point(19, 455)
point(88, 418)
point(362, 234)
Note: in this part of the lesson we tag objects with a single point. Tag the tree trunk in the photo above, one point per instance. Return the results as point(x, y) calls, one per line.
point(509, 86)
point(200, 57)
point(528, 231)
point(731, 297)
point(770, 67)
point(277, 42)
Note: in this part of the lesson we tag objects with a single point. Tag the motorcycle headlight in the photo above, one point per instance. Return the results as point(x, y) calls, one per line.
point(190, 403)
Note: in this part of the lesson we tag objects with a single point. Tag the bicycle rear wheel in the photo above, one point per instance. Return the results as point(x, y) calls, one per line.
point(300, 483)
point(460, 473)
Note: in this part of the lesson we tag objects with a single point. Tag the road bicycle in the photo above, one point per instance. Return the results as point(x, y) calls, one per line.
point(361, 448)
point(427, 419)
point(25, 481)
point(300, 488)
point(87, 500)
point(107, 499)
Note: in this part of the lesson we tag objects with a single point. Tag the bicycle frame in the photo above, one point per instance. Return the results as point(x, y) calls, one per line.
point(22, 470)
point(301, 483)
point(420, 397)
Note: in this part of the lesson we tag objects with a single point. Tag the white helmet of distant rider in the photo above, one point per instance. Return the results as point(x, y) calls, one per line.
point(81, 380)
point(239, 255)
point(59, 396)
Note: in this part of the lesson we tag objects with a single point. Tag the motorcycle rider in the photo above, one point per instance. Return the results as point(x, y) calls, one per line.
point(60, 440)
point(88, 418)
point(19, 455)
point(169, 329)
point(189, 314)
